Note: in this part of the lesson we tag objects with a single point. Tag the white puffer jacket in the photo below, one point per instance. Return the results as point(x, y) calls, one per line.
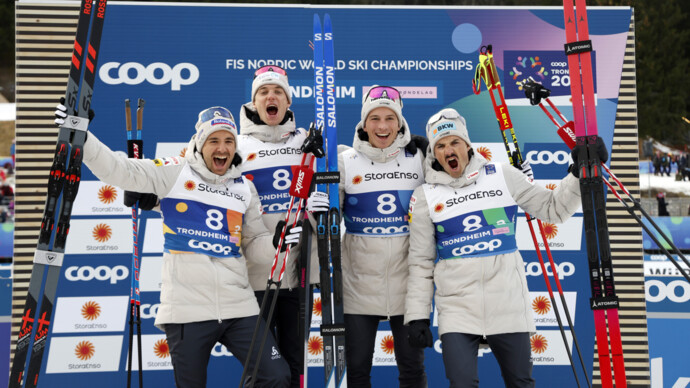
point(195, 287)
point(273, 136)
point(374, 268)
point(478, 295)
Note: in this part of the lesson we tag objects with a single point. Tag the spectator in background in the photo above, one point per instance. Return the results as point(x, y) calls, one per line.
point(661, 200)
point(683, 166)
point(656, 161)
point(666, 164)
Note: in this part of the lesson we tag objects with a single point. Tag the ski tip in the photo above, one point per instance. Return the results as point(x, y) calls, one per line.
point(317, 19)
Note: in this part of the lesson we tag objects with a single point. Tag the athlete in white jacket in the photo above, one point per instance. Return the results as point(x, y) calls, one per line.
point(377, 177)
point(211, 222)
point(271, 144)
point(465, 215)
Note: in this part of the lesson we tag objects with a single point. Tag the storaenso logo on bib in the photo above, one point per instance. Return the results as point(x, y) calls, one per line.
point(489, 246)
point(390, 175)
point(206, 188)
point(279, 151)
point(472, 196)
point(157, 73)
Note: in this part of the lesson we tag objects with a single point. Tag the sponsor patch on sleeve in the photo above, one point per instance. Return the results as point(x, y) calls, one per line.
point(174, 160)
point(490, 169)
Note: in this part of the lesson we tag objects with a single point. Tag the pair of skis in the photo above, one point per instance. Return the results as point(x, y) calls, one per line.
point(65, 175)
point(135, 149)
point(535, 92)
point(328, 224)
point(486, 71)
point(604, 301)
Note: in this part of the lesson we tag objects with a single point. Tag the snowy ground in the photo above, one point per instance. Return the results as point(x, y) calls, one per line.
point(667, 184)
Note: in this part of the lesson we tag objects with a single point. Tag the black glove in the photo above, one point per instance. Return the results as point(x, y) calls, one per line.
point(419, 334)
point(292, 234)
point(61, 113)
point(599, 147)
point(314, 142)
point(535, 91)
point(417, 143)
point(147, 201)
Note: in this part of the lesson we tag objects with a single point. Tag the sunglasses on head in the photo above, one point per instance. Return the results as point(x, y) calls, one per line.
point(387, 92)
point(446, 114)
point(270, 68)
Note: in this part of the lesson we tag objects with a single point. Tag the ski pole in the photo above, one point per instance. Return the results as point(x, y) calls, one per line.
point(299, 188)
point(535, 92)
point(486, 71)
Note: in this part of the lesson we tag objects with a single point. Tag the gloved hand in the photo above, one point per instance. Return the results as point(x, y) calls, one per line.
point(599, 147)
point(527, 169)
point(147, 201)
point(314, 142)
point(318, 202)
point(61, 113)
point(292, 234)
point(419, 334)
point(417, 143)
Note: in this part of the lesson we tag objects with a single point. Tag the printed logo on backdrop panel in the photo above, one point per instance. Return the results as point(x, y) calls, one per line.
point(667, 294)
point(84, 350)
point(541, 305)
point(544, 312)
point(485, 152)
point(548, 348)
point(315, 345)
point(90, 310)
point(97, 198)
point(548, 160)
point(161, 349)
point(383, 354)
point(84, 354)
point(157, 73)
point(111, 236)
point(538, 343)
point(387, 344)
point(90, 314)
point(550, 230)
point(549, 68)
point(102, 232)
point(155, 353)
point(492, 152)
point(562, 237)
point(107, 194)
point(219, 350)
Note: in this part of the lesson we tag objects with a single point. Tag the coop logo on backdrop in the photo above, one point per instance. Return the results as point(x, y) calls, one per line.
point(156, 73)
point(102, 273)
point(548, 160)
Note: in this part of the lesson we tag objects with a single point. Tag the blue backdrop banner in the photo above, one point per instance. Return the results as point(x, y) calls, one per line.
point(182, 58)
